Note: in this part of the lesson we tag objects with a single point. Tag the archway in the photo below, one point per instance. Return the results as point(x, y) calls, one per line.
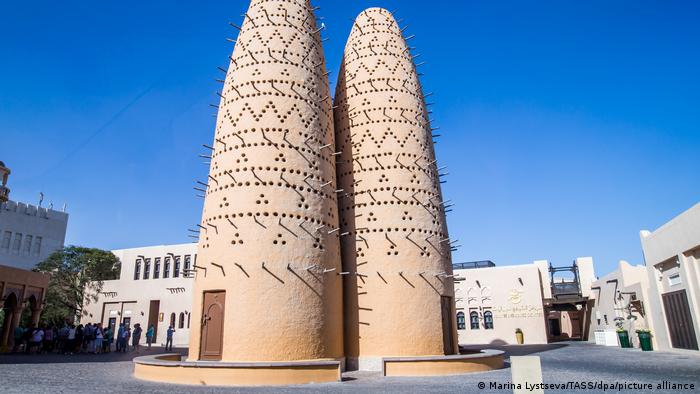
point(10, 321)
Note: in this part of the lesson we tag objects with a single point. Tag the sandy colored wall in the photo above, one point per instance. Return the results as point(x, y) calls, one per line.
point(270, 218)
point(514, 296)
point(672, 249)
point(397, 254)
point(611, 298)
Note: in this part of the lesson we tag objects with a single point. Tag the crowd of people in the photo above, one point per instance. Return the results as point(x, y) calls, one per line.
point(88, 338)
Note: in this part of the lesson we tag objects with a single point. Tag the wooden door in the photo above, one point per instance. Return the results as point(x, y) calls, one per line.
point(680, 323)
point(447, 332)
point(575, 324)
point(153, 312)
point(212, 338)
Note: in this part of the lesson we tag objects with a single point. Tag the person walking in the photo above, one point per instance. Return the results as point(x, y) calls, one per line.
point(37, 339)
point(107, 341)
point(63, 339)
point(48, 339)
point(99, 337)
point(70, 340)
point(125, 339)
point(149, 335)
point(27, 338)
point(89, 338)
point(18, 335)
point(136, 337)
point(120, 337)
point(169, 339)
point(78, 339)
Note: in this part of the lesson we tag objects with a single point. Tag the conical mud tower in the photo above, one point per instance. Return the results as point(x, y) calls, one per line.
point(267, 286)
point(400, 302)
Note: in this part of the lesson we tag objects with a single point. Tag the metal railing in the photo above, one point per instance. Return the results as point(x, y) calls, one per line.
point(473, 265)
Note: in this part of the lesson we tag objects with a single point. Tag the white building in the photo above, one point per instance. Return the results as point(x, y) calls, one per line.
point(672, 255)
point(154, 287)
point(29, 234)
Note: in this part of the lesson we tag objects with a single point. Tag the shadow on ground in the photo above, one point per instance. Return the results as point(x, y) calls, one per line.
point(514, 350)
point(56, 358)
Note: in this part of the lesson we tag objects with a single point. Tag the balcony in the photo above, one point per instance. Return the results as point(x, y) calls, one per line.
point(571, 288)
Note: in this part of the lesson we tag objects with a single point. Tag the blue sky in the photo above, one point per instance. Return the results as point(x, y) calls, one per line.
point(567, 126)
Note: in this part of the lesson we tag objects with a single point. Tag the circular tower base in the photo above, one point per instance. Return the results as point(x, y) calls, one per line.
point(169, 368)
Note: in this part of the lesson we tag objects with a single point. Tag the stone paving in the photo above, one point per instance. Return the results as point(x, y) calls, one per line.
point(563, 362)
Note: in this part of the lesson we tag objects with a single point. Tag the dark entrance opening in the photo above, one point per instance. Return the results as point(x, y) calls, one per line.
point(153, 312)
point(212, 337)
point(9, 307)
point(554, 327)
point(447, 324)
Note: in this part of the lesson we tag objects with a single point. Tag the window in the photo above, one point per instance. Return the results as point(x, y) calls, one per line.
point(674, 279)
point(137, 270)
point(166, 267)
point(27, 245)
point(188, 319)
point(37, 246)
point(146, 268)
point(474, 320)
point(181, 322)
point(176, 269)
point(156, 268)
point(6, 238)
point(461, 323)
point(488, 320)
point(186, 271)
point(172, 320)
point(17, 243)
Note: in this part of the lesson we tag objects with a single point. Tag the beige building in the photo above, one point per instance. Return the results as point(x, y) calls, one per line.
point(28, 234)
point(493, 302)
point(620, 300)
point(672, 256)
point(154, 287)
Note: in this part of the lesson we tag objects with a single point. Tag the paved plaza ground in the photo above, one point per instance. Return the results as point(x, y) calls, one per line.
point(562, 362)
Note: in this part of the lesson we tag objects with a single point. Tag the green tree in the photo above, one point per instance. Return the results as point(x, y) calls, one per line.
point(77, 276)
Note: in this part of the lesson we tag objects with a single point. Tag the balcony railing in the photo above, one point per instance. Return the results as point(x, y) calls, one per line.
point(473, 264)
point(566, 288)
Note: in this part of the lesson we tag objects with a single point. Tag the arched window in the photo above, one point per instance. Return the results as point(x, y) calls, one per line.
point(181, 323)
point(488, 320)
point(474, 320)
point(461, 323)
point(172, 320)
point(137, 269)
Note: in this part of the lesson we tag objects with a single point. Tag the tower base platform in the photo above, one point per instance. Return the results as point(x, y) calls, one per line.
point(484, 360)
point(169, 368)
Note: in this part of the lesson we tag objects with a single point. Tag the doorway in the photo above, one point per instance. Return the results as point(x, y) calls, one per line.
point(447, 332)
point(554, 327)
point(112, 324)
point(153, 312)
point(211, 341)
point(679, 321)
point(575, 324)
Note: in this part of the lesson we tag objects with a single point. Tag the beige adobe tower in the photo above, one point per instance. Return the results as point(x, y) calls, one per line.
point(267, 286)
point(399, 300)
